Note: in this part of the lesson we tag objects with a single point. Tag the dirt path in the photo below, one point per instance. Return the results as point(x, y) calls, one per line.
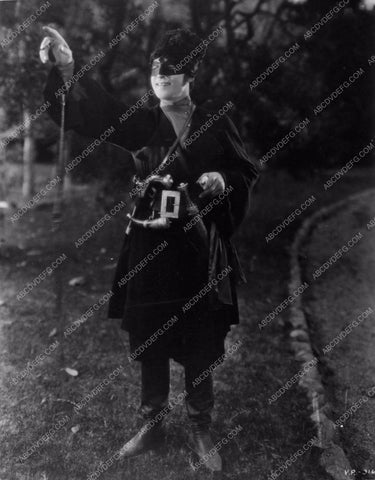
point(340, 292)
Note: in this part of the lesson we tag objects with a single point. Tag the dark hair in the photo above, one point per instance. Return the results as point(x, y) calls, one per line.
point(178, 45)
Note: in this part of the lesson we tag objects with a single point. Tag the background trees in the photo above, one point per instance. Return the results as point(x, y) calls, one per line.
point(256, 32)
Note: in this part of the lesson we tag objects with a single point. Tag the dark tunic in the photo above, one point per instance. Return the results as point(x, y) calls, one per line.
point(173, 274)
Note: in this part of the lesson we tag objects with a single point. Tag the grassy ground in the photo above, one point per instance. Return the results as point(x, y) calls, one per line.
point(270, 434)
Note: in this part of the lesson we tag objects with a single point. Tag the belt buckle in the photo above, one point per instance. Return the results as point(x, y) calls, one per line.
point(170, 204)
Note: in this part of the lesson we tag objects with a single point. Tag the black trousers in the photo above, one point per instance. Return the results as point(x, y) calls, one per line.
point(197, 349)
point(199, 400)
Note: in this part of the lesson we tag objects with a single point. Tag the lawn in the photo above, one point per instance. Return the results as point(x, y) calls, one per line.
point(46, 397)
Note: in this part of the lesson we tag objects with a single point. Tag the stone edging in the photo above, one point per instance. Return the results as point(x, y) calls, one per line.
point(332, 458)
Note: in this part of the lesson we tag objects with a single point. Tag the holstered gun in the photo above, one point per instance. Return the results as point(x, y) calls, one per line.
point(147, 189)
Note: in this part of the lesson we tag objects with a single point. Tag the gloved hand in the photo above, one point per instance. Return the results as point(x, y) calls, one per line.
point(212, 183)
point(55, 44)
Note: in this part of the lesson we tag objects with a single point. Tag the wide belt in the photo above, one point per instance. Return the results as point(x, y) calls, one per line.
point(166, 205)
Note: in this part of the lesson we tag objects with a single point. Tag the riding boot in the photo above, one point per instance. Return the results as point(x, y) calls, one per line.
point(149, 437)
point(154, 407)
point(201, 443)
point(199, 404)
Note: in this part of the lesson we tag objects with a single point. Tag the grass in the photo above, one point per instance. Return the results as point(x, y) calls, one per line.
point(270, 433)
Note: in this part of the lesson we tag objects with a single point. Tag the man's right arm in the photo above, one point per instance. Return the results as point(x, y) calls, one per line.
point(91, 111)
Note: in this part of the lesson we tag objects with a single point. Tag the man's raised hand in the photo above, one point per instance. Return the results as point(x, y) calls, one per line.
point(55, 48)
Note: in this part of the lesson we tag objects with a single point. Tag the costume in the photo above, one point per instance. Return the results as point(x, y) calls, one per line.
point(160, 270)
point(156, 291)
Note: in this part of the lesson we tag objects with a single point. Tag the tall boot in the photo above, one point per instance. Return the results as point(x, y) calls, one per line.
point(149, 437)
point(201, 443)
point(199, 404)
point(154, 407)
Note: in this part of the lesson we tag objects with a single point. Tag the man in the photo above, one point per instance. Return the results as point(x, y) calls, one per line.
point(175, 281)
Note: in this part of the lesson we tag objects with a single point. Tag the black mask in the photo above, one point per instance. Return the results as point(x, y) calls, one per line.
point(165, 66)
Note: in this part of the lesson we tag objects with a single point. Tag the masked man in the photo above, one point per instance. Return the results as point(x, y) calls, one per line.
point(174, 286)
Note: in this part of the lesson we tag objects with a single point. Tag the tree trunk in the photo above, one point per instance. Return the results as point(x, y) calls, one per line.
point(28, 157)
point(3, 171)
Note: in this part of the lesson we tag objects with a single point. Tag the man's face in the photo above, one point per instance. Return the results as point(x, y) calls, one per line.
point(166, 83)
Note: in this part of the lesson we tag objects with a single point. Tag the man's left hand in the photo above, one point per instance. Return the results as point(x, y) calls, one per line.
point(212, 183)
